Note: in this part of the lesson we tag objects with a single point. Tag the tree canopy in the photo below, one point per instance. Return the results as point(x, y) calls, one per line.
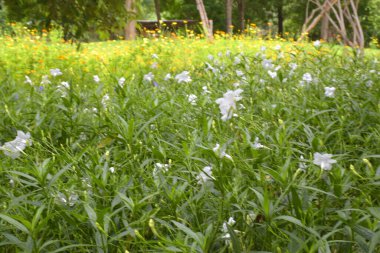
point(76, 17)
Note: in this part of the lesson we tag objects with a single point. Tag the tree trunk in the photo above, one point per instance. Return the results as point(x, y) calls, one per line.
point(229, 16)
point(313, 19)
point(280, 17)
point(207, 27)
point(241, 8)
point(158, 11)
point(343, 16)
point(130, 28)
point(325, 25)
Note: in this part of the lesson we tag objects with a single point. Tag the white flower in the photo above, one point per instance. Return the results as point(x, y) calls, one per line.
point(239, 73)
point(65, 85)
point(277, 47)
point(205, 175)
point(70, 201)
point(227, 104)
point(205, 90)
point(293, 66)
point(154, 56)
point(267, 64)
point(221, 153)
point(307, 77)
point(228, 53)
point(192, 99)
point(231, 221)
point(14, 148)
point(209, 66)
point(55, 72)
point(105, 100)
point(323, 160)
point(183, 77)
point(159, 168)
point(272, 74)
point(263, 48)
point(28, 80)
point(317, 43)
point(121, 81)
point(237, 60)
point(257, 144)
point(112, 169)
point(154, 65)
point(149, 77)
point(45, 80)
point(96, 78)
point(329, 92)
point(226, 236)
point(369, 83)
point(63, 88)
point(168, 76)
point(210, 57)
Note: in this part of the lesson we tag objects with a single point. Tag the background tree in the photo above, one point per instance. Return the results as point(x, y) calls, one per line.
point(80, 18)
point(205, 21)
point(229, 16)
point(76, 17)
point(130, 27)
point(157, 7)
point(241, 14)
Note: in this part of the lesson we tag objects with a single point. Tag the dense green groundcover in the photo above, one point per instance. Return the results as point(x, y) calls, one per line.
point(231, 156)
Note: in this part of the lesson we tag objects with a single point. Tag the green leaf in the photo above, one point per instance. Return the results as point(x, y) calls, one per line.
point(297, 222)
point(375, 211)
point(189, 232)
point(235, 240)
point(375, 241)
point(91, 214)
point(15, 223)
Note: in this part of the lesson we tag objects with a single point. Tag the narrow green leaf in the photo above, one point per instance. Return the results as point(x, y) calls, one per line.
point(15, 223)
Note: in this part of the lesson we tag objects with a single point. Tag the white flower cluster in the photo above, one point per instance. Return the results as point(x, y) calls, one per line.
point(183, 77)
point(227, 104)
point(205, 175)
point(14, 148)
point(231, 221)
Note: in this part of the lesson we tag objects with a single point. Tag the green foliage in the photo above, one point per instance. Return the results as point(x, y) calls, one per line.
point(76, 17)
point(371, 18)
point(116, 166)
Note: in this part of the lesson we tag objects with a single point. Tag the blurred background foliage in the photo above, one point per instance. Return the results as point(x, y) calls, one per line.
point(80, 18)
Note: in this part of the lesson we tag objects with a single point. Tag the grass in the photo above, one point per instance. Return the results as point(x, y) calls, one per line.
point(118, 168)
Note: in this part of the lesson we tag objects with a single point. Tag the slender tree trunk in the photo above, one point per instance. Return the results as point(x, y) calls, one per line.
point(241, 8)
point(325, 26)
point(207, 25)
point(343, 16)
point(157, 8)
point(130, 28)
point(280, 17)
point(229, 16)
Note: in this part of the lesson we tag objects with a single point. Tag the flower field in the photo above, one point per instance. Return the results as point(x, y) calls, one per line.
point(189, 146)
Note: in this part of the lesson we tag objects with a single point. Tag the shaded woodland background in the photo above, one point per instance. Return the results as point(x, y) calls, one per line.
point(79, 18)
